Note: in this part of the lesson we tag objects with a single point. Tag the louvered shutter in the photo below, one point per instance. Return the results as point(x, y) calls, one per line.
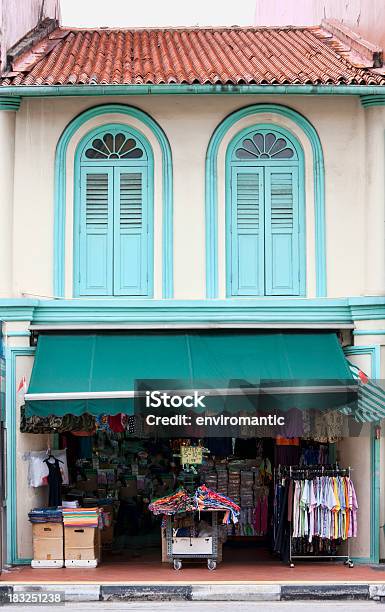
point(247, 231)
point(96, 226)
point(281, 231)
point(131, 232)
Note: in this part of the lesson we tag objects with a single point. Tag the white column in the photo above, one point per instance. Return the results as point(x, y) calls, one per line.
point(375, 200)
point(8, 109)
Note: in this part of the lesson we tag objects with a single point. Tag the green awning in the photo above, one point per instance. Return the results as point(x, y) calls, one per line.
point(101, 373)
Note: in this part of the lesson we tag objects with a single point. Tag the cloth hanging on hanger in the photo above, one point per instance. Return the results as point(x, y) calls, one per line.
point(315, 509)
point(55, 481)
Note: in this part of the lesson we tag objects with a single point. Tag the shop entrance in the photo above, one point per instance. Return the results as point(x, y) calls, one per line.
point(116, 471)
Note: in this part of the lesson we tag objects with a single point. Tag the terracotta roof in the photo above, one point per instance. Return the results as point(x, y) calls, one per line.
point(220, 56)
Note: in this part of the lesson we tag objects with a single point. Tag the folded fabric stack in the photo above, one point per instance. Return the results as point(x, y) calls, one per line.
point(45, 515)
point(234, 487)
point(247, 482)
point(180, 501)
point(210, 478)
point(206, 499)
point(80, 517)
point(70, 504)
point(223, 479)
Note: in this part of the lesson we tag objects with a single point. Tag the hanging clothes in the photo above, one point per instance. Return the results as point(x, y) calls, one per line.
point(55, 481)
point(321, 512)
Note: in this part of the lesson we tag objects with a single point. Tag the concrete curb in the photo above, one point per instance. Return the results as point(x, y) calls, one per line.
point(292, 592)
point(146, 593)
point(202, 592)
point(72, 592)
point(236, 592)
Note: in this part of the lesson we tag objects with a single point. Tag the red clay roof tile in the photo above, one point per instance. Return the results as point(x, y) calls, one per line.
point(190, 56)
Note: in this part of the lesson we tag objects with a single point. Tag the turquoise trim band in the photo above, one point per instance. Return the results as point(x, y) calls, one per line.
point(212, 192)
point(135, 90)
point(370, 101)
point(60, 192)
point(369, 332)
point(256, 310)
point(17, 334)
point(8, 103)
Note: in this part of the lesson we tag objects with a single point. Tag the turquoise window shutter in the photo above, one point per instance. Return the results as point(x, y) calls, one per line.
point(265, 213)
point(282, 250)
point(96, 227)
point(247, 231)
point(130, 232)
point(113, 217)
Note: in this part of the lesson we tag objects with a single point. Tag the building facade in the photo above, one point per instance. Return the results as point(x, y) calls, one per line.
point(224, 199)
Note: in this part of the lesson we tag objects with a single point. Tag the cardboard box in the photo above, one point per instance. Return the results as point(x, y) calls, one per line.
point(48, 549)
point(81, 543)
point(47, 530)
point(47, 541)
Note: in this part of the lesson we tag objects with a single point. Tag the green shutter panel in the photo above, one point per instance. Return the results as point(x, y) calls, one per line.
point(131, 232)
point(247, 231)
point(282, 231)
point(96, 226)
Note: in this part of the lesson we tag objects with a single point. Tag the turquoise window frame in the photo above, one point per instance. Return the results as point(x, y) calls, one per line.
point(60, 192)
point(147, 163)
point(231, 165)
point(211, 191)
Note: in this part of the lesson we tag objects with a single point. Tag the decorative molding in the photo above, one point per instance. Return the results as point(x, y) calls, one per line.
point(10, 103)
point(211, 191)
point(16, 334)
point(170, 89)
point(17, 309)
point(263, 310)
point(370, 101)
point(373, 351)
point(60, 192)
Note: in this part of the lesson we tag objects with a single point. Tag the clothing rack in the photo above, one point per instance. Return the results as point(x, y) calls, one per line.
point(295, 472)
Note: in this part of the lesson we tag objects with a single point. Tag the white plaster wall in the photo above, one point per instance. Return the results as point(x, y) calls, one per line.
point(355, 452)
point(7, 162)
point(188, 123)
point(27, 497)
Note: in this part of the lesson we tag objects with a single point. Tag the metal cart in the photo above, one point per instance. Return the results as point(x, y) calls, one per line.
point(180, 548)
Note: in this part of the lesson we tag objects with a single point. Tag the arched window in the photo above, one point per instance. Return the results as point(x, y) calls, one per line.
point(265, 214)
point(113, 215)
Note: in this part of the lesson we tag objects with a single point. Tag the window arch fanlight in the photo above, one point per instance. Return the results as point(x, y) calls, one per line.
point(113, 229)
point(265, 213)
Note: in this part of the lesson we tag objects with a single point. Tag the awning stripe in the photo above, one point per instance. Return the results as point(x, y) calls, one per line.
point(371, 398)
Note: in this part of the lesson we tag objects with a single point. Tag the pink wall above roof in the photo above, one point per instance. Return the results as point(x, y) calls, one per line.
point(367, 17)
